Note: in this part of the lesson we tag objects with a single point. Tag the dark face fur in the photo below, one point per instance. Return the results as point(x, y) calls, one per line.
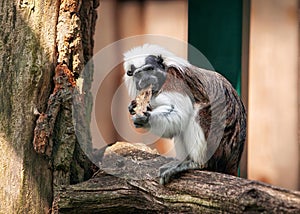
point(151, 73)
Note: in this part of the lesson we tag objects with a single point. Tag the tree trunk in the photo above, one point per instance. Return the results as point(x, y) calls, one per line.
point(44, 45)
point(133, 188)
point(39, 40)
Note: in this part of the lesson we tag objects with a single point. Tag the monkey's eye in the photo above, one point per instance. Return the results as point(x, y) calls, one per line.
point(149, 68)
point(129, 72)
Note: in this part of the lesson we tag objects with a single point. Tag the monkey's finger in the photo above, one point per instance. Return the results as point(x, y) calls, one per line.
point(147, 115)
point(149, 108)
point(131, 107)
point(133, 103)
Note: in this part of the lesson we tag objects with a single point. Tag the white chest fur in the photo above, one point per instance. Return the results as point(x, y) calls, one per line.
point(173, 116)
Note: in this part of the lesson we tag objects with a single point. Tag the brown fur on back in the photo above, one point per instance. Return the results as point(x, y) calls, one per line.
point(217, 99)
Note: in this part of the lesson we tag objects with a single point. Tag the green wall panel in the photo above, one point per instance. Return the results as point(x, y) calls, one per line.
point(215, 29)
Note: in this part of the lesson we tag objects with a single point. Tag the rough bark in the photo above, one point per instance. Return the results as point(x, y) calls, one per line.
point(36, 36)
point(135, 189)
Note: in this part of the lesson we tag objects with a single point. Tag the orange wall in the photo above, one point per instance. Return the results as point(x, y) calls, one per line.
point(273, 85)
point(121, 19)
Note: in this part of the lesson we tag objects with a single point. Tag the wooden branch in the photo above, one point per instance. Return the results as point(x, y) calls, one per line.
point(134, 187)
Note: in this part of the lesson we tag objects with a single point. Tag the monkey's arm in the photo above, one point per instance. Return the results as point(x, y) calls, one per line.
point(169, 116)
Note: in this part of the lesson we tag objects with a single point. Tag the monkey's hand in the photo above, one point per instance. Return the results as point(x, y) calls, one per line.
point(141, 120)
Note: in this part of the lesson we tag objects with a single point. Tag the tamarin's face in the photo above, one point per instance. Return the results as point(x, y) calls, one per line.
point(145, 71)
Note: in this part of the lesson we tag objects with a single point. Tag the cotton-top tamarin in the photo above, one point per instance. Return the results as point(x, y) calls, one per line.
point(198, 108)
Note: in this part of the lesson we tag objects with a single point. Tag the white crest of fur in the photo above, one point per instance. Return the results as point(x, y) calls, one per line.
point(173, 114)
point(137, 56)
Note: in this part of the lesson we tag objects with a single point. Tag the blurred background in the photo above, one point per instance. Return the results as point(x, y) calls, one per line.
point(253, 43)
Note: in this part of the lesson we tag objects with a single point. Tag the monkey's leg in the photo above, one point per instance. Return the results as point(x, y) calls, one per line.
point(170, 170)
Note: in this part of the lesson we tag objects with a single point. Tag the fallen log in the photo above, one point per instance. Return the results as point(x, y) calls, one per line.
point(127, 183)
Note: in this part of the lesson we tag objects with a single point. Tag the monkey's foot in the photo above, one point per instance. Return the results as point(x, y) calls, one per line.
point(174, 168)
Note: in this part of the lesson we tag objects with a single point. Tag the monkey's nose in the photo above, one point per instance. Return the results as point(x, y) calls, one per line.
point(146, 81)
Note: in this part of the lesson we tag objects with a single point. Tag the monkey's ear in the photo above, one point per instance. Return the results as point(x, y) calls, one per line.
point(132, 69)
point(160, 61)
